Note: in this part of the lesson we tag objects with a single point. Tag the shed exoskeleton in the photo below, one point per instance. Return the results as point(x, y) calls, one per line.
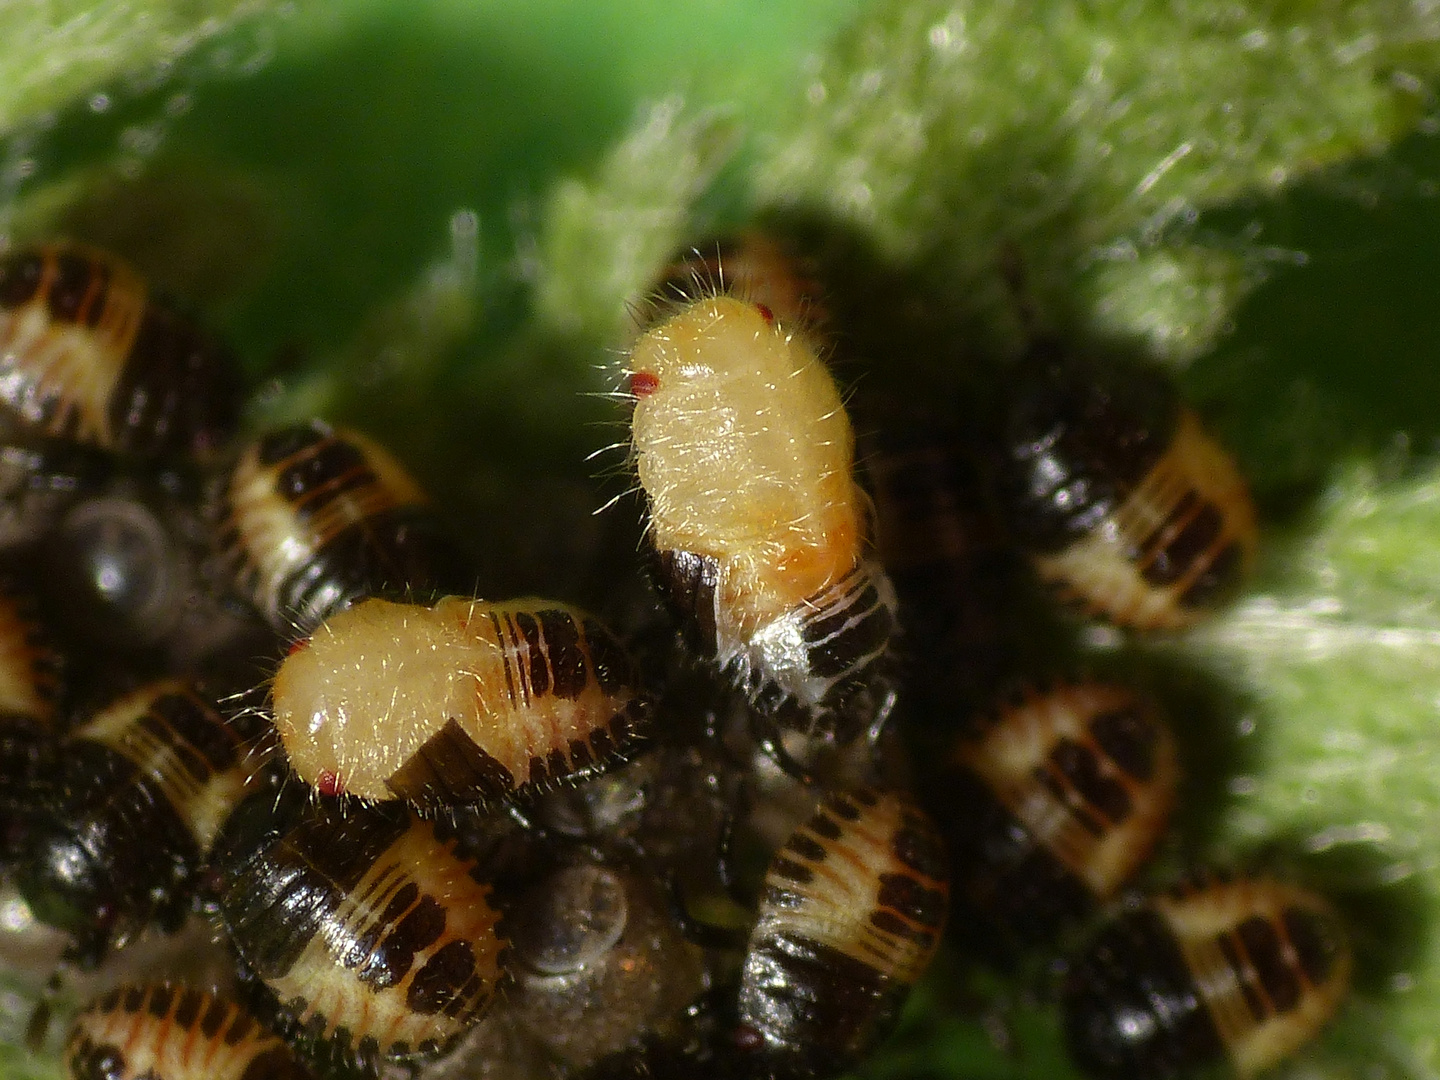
point(759, 532)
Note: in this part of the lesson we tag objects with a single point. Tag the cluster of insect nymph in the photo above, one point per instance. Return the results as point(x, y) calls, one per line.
point(252, 705)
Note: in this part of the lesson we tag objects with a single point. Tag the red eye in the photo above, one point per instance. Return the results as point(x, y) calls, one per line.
point(765, 313)
point(327, 783)
point(297, 646)
point(746, 1038)
point(643, 384)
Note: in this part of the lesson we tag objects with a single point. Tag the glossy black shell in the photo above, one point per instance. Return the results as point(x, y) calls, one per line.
point(1016, 892)
point(1132, 1009)
point(1216, 969)
point(106, 848)
point(1078, 439)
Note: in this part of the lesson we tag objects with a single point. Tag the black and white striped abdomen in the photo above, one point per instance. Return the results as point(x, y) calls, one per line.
point(1128, 507)
point(181, 745)
point(86, 353)
point(1248, 970)
point(823, 652)
point(313, 518)
point(1055, 801)
point(1272, 962)
point(377, 941)
point(847, 629)
point(851, 915)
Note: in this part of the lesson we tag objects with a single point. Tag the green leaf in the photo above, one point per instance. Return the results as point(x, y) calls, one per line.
point(1339, 656)
point(59, 50)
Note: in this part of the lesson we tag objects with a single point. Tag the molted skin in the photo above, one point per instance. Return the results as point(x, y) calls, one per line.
point(746, 456)
point(599, 963)
point(1130, 509)
point(119, 575)
point(1056, 803)
point(850, 917)
point(1248, 970)
point(463, 702)
point(138, 796)
point(376, 940)
point(315, 518)
point(165, 1032)
point(87, 354)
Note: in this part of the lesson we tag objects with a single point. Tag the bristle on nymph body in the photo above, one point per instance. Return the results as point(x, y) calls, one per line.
point(760, 534)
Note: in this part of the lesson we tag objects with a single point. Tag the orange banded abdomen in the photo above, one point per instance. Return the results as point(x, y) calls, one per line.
point(165, 1032)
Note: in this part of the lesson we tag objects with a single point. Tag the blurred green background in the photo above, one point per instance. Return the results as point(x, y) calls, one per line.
point(425, 218)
